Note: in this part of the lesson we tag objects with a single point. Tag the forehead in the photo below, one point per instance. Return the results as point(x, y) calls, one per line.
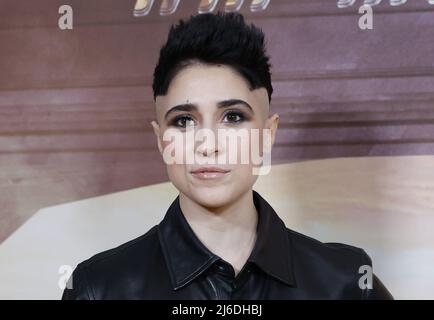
point(205, 85)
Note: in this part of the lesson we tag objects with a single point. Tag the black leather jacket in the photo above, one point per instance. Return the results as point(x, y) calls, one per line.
point(169, 262)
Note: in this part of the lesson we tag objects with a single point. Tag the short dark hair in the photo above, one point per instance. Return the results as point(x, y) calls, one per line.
point(221, 38)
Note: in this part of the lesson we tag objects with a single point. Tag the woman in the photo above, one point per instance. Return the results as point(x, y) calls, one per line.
point(220, 239)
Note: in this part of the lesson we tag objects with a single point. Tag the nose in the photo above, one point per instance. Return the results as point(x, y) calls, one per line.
point(207, 143)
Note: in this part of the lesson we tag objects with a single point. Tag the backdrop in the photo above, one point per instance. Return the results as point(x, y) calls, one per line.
point(355, 140)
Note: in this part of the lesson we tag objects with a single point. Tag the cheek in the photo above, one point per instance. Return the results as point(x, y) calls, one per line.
point(178, 146)
point(243, 173)
point(250, 148)
point(177, 175)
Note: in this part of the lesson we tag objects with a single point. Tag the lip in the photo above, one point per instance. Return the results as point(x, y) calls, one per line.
point(207, 173)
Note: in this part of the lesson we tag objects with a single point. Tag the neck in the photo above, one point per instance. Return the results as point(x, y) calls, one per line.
point(220, 228)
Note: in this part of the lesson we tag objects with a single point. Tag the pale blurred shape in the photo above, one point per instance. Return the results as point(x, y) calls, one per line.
point(372, 2)
point(206, 6)
point(168, 7)
point(142, 7)
point(345, 3)
point(233, 5)
point(397, 2)
point(259, 5)
point(384, 205)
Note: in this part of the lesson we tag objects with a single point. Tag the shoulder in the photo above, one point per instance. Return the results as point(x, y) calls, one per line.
point(145, 244)
point(333, 252)
point(111, 268)
point(345, 269)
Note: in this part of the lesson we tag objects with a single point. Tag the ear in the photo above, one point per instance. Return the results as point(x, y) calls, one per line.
point(156, 128)
point(272, 123)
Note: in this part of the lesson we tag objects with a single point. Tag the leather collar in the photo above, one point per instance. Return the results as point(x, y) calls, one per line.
point(187, 257)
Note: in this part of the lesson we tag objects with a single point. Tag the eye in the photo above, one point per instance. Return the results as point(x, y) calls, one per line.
point(233, 117)
point(182, 121)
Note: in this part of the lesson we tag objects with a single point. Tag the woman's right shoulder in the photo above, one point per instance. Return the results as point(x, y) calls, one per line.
point(140, 244)
point(111, 267)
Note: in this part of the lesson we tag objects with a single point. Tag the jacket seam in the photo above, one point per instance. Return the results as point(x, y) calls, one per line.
point(214, 288)
point(119, 249)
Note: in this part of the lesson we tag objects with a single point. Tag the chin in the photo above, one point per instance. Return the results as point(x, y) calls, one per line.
point(212, 197)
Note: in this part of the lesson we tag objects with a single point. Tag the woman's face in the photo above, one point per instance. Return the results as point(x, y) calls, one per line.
point(203, 103)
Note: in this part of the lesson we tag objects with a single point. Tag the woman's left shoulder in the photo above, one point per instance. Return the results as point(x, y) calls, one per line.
point(349, 265)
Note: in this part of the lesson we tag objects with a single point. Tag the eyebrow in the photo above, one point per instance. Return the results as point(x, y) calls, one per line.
point(220, 104)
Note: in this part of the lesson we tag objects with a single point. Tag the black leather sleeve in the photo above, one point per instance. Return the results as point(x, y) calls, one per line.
point(78, 286)
point(378, 291)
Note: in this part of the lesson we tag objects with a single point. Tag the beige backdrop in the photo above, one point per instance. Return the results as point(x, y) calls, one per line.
point(76, 105)
point(382, 204)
